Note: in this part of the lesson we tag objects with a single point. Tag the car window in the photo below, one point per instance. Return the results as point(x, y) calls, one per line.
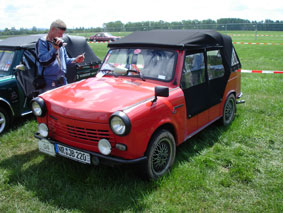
point(234, 59)
point(215, 68)
point(193, 70)
point(6, 58)
point(29, 60)
point(151, 63)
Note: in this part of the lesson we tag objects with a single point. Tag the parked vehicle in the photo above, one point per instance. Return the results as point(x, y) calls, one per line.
point(154, 91)
point(16, 88)
point(104, 37)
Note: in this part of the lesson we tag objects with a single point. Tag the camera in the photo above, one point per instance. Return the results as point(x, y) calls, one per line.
point(61, 41)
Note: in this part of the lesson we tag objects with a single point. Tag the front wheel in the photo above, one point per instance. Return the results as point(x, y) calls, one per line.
point(160, 154)
point(4, 120)
point(229, 110)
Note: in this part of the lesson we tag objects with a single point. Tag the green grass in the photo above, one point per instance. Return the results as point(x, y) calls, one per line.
point(232, 169)
point(100, 49)
point(252, 36)
point(260, 57)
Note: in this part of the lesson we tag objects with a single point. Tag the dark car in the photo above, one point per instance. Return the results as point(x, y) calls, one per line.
point(18, 68)
point(155, 90)
point(104, 37)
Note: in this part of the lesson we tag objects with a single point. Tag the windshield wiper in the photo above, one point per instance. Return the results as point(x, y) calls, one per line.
point(138, 72)
point(108, 71)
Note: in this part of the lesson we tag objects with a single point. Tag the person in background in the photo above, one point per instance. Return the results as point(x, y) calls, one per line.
point(53, 57)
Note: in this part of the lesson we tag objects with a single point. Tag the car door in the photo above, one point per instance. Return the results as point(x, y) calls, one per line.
point(101, 37)
point(9, 91)
point(217, 80)
point(25, 79)
point(195, 87)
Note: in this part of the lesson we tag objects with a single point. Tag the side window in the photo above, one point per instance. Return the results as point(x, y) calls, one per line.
point(6, 59)
point(234, 59)
point(215, 68)
point(193, 70)
point(29, 60)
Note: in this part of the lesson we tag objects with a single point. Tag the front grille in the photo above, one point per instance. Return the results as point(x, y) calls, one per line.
point(76, 131)
point(87, 134)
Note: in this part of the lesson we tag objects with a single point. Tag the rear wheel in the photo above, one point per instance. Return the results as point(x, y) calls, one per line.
point(160, 154)
point(4, 120)
point(229, 110)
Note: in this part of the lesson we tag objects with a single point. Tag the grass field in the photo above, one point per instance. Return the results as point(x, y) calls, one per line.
point(233, 169)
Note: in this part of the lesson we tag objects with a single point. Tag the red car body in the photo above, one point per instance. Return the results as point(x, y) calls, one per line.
point(103, 37)
point(159, 113)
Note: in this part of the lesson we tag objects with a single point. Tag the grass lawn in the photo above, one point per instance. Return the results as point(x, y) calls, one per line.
point(232, 169)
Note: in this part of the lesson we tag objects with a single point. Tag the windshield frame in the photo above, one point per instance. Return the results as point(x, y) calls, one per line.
point(175, 58)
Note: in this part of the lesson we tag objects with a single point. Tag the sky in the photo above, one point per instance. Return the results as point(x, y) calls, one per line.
point(94, 13)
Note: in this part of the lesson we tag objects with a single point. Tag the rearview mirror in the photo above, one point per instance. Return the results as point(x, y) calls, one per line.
point(20, 67)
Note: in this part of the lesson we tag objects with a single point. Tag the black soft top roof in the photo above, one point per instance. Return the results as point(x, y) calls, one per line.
point(172, 38)
point(75, 45)
point(19, 42)
point(178, 39)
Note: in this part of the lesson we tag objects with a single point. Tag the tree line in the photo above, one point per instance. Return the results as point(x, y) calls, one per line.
point(223, 24)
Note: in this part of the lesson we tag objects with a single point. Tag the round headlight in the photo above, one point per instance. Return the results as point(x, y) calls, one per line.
point(38, 107)
point(104, 146)
point(120, 123)
point(43, 130)
point(118, 126)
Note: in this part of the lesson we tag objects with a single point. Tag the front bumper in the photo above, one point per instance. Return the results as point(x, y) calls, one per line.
point(102, 158)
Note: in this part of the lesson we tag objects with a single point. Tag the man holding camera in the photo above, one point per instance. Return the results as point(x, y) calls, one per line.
point(53, 57)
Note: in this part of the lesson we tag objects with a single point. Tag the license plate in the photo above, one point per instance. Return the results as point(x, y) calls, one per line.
point(73, 154)
point(46, 147)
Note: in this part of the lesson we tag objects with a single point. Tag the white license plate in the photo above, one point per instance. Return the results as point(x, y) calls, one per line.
point(46, 147)
point(73, 154)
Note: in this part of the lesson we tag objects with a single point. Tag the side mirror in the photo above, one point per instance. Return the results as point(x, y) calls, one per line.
point(20, 67)
point(160, 91)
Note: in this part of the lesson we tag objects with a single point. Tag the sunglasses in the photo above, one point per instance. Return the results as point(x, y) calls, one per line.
point(62, 28)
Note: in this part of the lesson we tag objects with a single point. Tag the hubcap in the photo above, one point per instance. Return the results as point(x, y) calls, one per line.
point(161, 156)
point(2, 122)
point(229, 110)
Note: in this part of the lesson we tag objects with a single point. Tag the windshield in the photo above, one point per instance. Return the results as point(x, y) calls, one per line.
point(6, 58)
point(148, 63)
point(108, 34)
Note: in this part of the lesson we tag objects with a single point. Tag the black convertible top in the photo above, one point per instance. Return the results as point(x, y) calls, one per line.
point(76, 45)
point(172, 38)
point(178, 39)
point(19, 42)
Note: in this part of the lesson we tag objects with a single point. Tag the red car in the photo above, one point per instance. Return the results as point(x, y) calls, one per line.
point(104, 37)
point(154, 91)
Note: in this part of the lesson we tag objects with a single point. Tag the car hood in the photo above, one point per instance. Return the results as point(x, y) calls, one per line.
point(97, 98)
point(7, 77)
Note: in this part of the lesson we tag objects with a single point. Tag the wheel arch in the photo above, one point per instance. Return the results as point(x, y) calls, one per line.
point(227, 95)
point(7, 113)
point(166, 126)
point(7, 106)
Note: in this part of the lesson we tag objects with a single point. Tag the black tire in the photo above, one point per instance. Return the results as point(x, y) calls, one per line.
point(229, 110)
point(160, 154)
point(4, 120)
